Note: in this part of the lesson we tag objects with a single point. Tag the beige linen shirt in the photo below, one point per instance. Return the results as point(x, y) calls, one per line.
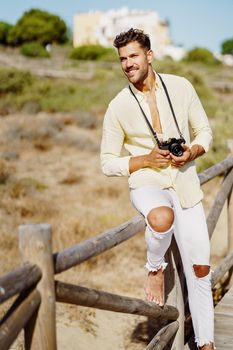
point(124, 125)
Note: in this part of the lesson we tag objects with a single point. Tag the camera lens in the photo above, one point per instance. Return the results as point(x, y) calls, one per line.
point(176, 149)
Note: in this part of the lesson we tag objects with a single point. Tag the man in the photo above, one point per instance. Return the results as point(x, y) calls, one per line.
point(164, 187)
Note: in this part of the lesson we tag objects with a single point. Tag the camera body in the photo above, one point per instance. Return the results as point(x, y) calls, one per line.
point(173, 145)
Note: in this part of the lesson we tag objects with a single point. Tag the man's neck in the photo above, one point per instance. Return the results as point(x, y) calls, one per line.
point(148, 84)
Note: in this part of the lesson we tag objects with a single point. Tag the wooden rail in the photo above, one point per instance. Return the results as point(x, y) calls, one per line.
point(17, 318)
point(92, 247)
point(220, 199)
point(19, 280)
point(222, 268)
point(216, 170)
point(161, 339)
point(68, 293)
point(34, 309)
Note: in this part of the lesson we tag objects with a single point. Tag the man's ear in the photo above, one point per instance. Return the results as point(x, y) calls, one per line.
point(150, 56)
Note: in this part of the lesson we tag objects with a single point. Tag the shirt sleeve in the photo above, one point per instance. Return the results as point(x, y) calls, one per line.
point(198, 120)
point(112, 163)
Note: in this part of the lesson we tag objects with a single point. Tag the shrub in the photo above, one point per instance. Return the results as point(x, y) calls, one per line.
point(34, 49)
point(110, 55)
point(91, 52)
point(22, 187)
point(200, 54)
point(13, 80)
point(40, 26)
point(4, 30)
point(227, 47)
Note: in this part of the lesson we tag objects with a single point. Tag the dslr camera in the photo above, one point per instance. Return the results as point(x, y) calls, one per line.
point(173, 145)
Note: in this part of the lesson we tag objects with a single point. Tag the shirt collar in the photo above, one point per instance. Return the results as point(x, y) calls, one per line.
point(139, 94)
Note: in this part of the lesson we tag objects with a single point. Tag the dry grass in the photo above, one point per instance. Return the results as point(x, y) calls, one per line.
point(5, 171)
point(61, 183)
point(72, 178)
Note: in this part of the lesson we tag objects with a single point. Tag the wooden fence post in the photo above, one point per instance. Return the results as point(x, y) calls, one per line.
point(230, 232)
point(35, 244)
point(174, 286)
point(230, 206)
point(230, 215)
point(230, 223)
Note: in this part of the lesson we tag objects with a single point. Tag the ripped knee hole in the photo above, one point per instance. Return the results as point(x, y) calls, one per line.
point(201, 270)
point(161, 219)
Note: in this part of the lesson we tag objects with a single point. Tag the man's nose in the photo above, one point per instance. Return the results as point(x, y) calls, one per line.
point(129, 62)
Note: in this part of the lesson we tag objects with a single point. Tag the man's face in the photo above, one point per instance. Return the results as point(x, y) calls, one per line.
point(135, 61)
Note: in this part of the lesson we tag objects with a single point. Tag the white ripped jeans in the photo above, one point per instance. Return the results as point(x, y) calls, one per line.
point(192, 238)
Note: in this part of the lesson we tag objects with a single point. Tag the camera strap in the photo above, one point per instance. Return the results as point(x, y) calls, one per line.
point(170, 104)
point(146, 119)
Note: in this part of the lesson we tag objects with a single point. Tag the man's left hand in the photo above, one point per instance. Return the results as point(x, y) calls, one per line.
point(178, 162)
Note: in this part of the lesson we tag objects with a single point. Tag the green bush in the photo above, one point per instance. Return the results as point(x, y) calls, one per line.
point(13, 80)
point(110, 55)
point(227, 47)
point(40, 26)
point(34, 49)
point(4, 30)
point(200, 54)
point(92, 52)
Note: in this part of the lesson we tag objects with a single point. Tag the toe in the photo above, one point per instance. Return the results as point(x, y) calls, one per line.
point(160, 302)
point(155, 300)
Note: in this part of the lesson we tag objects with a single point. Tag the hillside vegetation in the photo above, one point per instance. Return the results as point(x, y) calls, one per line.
point(21, 90)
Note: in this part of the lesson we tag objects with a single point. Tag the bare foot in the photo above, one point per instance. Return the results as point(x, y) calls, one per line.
point(207, 347)
point(154, 287)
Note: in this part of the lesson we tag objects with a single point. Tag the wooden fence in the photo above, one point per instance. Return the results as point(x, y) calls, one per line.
point(37, 292)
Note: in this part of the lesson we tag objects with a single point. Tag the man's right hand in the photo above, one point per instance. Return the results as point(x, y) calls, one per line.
point(157, 158)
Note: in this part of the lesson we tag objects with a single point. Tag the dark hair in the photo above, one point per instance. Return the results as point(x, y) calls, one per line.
point(138, 35)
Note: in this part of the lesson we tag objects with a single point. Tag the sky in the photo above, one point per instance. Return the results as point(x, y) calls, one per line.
point(203, 23)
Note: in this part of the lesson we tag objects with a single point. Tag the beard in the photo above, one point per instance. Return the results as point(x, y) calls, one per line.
point(137, 75)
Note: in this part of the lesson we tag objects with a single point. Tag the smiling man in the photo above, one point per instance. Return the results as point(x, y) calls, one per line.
point(151, 117)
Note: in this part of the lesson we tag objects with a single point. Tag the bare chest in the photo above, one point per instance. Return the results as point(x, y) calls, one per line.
point(154, 113)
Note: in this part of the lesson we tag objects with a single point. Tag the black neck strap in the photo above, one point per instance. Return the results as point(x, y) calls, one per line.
point(146, 119)
point(144, 114)
point(170, 104)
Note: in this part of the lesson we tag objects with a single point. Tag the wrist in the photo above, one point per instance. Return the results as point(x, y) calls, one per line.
point(196, 151)
point(193, 153)
point(146, 161)
point(137, 163)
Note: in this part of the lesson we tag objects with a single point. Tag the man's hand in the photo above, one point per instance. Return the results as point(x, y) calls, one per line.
point(178, 162)
point(159, 158)
point(188, 155)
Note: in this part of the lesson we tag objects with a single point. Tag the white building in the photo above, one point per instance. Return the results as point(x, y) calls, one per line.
point(225, 59)
point(97, 27)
